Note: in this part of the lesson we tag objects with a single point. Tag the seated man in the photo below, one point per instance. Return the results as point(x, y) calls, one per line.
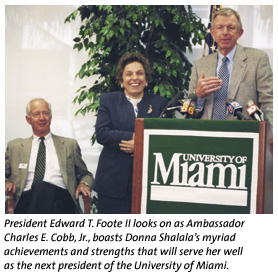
point(46, 172)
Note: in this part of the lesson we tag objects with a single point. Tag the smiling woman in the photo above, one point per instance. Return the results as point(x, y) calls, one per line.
point(115, 131)
point(134, 80)
point(133, 73)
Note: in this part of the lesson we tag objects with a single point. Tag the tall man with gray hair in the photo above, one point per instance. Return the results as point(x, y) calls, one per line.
point(46, 172)
point(240, 73)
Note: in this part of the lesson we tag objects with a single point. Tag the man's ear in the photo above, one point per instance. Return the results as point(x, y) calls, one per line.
point(28, 119)
point(211, 32)
point(240, 33)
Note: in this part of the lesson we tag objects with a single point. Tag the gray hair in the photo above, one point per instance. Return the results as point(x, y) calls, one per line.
point(227, 12)
point(28, 109)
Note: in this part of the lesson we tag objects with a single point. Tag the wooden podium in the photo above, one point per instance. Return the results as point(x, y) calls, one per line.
point(198, 167)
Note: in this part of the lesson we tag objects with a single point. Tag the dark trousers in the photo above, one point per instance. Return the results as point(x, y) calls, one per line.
point(109, 205)
point(46, 198)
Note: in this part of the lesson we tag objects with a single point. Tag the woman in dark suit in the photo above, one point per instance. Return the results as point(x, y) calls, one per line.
point(115, 131)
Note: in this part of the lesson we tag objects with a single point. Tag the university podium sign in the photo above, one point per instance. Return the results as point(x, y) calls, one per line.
point(196, 166)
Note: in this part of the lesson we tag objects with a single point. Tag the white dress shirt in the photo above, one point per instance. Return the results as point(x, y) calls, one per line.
point(52, 169)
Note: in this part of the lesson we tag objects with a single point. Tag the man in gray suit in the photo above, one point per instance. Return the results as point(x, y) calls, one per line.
point(249, 73)
point(64, 175)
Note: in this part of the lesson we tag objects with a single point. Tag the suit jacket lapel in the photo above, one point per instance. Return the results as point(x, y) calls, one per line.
point(126, 111)
point(238, 71)
point(61, 151)
point(143, 107)
point(210, 65)
point(127, 106)
point(210, 70)
point(25, 152)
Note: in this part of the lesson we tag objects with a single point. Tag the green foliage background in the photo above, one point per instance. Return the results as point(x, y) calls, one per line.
point(162, 33)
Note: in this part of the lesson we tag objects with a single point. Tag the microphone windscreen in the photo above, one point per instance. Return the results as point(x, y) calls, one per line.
point(175, 99)
point(249, 102)
point(172, 103)
point(228, 101)
point(193, 97)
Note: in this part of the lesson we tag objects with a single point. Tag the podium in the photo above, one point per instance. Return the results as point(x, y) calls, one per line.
point(198, 166)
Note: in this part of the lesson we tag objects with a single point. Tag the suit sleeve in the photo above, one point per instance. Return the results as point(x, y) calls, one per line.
point(81, 171)
point(193, 80)
point(164, 104)
point(106, 134)
point(265, 88)
point(7, 163)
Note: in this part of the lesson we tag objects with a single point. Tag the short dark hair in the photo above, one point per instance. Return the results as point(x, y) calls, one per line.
point(129, 58)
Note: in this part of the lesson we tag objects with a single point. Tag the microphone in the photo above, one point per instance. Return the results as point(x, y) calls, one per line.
point(254, 111)
point(200, 106)
point(235, 108)
point(172, 104)
point(189, 106)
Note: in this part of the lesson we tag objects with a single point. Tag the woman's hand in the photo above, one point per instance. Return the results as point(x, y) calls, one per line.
point(127, 145)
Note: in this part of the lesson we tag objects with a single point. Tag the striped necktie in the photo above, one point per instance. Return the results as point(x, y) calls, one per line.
point(40, 163)
point(220, 96)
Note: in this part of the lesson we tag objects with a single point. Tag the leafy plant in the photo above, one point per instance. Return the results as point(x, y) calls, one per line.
point(162, 33)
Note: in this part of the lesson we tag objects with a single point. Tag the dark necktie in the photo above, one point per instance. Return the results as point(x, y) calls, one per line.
point(40, 163)
point(220, 96)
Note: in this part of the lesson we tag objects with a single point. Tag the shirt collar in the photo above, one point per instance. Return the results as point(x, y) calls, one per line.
point(230, 55)
point(133, 100)
point(47, 137)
